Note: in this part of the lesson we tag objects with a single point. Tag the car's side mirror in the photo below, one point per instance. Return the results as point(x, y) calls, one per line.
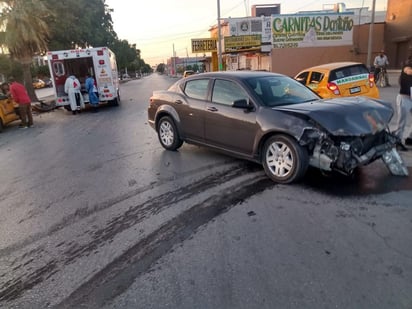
point(243, 103)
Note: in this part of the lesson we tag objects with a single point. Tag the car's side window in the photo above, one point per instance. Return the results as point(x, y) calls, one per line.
point(225, 92)
point(316, 77)
point(197, 89)
point(302, 77)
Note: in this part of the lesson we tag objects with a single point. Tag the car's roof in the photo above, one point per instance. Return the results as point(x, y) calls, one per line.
point(237, 74)
point(333, 65)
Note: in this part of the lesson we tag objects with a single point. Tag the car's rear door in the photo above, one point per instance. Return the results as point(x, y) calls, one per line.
point(192, 112)
point(228, 127)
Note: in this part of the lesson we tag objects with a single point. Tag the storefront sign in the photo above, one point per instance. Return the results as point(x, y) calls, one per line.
point(312, 30)
point(204, 45)
point(242, 43)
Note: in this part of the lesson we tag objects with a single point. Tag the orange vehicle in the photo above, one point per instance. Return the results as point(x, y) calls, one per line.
point(7, 111)
point(188, 73)
point(340, 79)
point(38, 83)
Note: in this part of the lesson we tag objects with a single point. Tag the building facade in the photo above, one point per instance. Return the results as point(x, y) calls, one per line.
point(398, 31)
point(290, 43)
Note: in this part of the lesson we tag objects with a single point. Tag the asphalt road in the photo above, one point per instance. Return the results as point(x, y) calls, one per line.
point(95, 214)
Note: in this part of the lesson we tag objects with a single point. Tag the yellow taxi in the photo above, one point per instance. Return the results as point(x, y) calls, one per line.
point(188, 73)
point(340, 79)
point(38, 83)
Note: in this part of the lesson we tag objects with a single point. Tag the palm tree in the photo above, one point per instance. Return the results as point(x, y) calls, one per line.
point(25, 33)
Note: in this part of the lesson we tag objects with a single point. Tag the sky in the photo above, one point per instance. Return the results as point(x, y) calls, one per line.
point(159, 27)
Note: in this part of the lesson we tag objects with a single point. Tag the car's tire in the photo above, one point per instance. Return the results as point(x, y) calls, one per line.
point(67, 108)
point(1, 125)
point(284, 160)
point(168, 135)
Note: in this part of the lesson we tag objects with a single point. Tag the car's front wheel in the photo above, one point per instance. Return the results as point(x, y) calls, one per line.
point(168, 134)
point(284, 160)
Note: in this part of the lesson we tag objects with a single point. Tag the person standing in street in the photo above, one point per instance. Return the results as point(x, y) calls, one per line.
point(91, 88)
point(381, 63)
point(19, 94)
point(404, 107)
point(72, 87)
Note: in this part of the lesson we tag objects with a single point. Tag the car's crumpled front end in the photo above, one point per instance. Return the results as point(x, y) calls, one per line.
point(342, 139)
point(344, 153)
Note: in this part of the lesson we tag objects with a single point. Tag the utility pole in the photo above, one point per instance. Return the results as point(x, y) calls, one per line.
point(174, 60)
point(219, 37)
point(368, 61)
point(187, 58)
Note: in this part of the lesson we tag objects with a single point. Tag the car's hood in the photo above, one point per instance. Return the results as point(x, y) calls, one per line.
point(345, 116)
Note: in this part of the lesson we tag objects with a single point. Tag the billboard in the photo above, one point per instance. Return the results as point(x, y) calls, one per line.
point(251, 26)
point(242, 43)
point(312, 30)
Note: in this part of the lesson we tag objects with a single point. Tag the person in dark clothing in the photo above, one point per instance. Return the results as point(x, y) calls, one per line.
point(404, 107)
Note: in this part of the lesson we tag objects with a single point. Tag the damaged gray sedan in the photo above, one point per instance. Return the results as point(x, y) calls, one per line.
point(276, 121)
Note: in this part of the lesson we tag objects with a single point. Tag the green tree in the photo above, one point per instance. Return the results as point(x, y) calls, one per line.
point(92, 28)
point(160, 68)
point(79, 23)
point(41, 71)
point(26, 33)
point(35, 26)
point(9, 67)
point(125, 54)
point(147, 69)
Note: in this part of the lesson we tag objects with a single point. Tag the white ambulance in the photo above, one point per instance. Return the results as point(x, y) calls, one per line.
point(100, 62)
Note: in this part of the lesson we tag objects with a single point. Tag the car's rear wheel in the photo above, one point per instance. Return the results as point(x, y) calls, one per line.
point(1, 125)
point(284, 160)
point(168, 134)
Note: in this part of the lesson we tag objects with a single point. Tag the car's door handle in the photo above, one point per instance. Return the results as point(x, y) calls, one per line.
point(178, 101)
point(212, 109)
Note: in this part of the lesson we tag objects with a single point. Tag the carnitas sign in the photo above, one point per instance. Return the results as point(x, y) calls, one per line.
point(312, 30)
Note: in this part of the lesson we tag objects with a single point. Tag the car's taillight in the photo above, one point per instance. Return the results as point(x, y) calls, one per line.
point(371, 80)
point(334, 88)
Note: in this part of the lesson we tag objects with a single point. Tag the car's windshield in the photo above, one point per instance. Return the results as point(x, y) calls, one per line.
point(280, 90)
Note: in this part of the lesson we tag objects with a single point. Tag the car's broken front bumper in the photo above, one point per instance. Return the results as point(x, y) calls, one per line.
point(345, 154)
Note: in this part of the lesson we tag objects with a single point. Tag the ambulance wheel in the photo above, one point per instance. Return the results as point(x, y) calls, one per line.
point(114, 102)
point(67, 108)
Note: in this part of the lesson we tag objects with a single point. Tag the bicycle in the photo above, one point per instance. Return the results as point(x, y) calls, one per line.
point(382, 77)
